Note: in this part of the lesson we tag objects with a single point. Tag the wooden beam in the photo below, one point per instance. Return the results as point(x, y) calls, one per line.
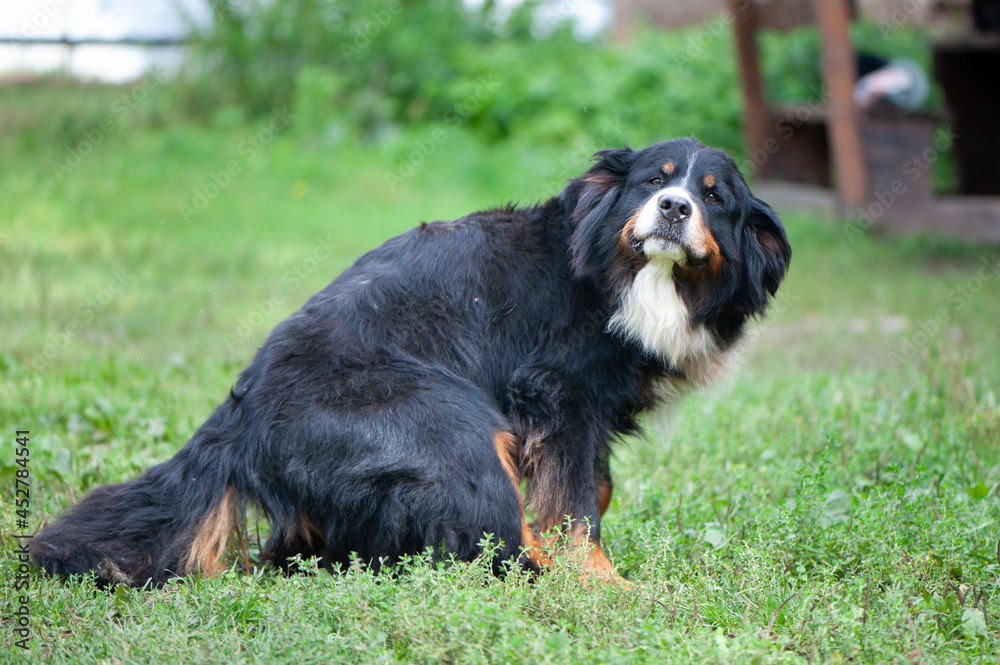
point(754, 111)
point(839, 76)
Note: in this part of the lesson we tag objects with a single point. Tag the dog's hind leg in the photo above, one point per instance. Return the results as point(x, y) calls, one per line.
point(421, 469)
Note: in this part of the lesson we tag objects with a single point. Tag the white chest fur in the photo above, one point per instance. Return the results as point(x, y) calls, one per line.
point(653, 314)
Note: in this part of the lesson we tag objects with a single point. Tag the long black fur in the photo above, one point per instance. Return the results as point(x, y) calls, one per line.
point(367, 421)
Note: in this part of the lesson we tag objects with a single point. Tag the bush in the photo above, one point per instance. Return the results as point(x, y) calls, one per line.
point(372, 67)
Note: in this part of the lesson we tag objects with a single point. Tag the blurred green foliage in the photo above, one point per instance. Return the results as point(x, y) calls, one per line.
point(395, 72)
point(372, 67)
point(369, 69)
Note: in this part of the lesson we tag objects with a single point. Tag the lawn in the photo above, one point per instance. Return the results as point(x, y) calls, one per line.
point(837, 501)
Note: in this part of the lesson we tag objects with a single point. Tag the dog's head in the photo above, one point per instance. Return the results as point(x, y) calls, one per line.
point(676, 221)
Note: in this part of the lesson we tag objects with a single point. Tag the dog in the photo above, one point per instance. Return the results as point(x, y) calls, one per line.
point(401, 408)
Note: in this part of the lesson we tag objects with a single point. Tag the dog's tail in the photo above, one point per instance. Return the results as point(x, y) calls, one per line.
point(173, 520)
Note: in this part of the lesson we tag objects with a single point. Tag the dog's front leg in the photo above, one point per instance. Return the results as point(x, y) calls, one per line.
point(563, 490)
point(564, 457)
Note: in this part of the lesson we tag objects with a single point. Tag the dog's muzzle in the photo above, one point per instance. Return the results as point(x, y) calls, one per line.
point(664, 226)
point(674, 208)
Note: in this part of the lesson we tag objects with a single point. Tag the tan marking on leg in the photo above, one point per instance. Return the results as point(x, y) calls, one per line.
point(209, 541)
point(532, 546)
point(308, 529)
point(506, 447)
point(669, 167)
point(596, 565)
point(603, 494)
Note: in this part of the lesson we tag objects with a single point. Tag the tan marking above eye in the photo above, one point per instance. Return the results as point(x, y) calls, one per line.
point(709, 180)
point(669, 167)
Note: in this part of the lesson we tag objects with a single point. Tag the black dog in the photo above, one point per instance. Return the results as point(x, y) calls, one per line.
point(401, 407)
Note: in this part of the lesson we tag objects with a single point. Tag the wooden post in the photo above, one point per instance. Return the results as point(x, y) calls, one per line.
point(754, 111)
point(839, 75)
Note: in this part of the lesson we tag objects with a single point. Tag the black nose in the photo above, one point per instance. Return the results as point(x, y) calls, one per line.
point(674, 209)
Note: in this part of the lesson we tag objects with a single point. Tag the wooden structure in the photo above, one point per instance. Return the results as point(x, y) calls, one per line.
point(876, 161)
point(968, 71)
point(839, 74)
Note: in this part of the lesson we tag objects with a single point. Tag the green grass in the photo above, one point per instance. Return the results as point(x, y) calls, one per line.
point(836, 502)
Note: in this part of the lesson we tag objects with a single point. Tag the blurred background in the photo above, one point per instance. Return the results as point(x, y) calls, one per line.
point(177, 176)
point(747, 76)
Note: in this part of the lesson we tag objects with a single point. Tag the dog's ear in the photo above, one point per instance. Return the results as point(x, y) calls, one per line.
point(766, 253)
point(595, 195)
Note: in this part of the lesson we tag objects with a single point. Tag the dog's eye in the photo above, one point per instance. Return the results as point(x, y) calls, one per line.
point(656, 182)
point(713, 198)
